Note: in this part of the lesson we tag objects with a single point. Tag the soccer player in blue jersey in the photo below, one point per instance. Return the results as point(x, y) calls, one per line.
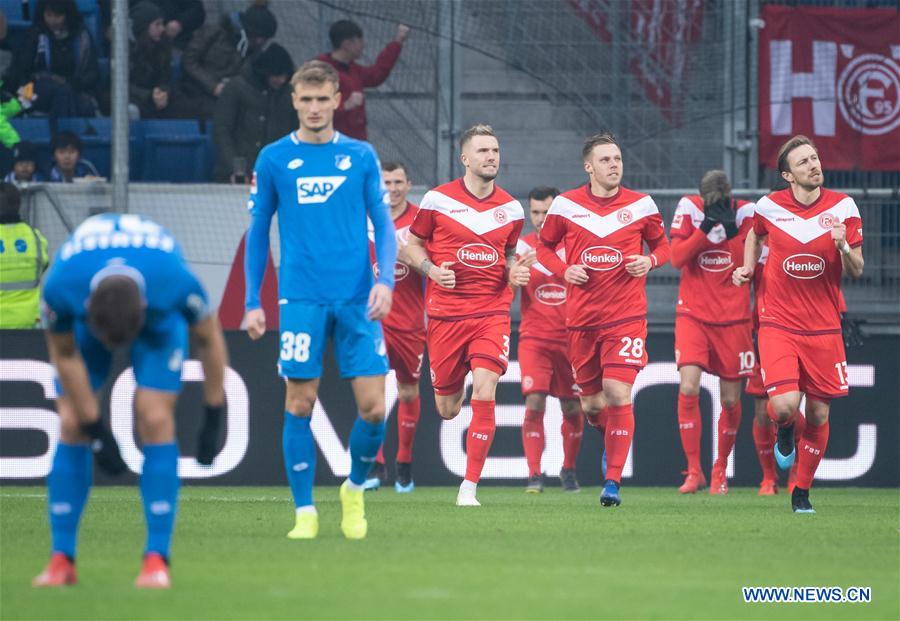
point(119, 280)
point(323, 185)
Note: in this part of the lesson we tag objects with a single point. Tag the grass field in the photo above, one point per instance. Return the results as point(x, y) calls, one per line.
point(659, 555)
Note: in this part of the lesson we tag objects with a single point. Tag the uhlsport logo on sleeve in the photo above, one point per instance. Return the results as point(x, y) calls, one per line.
point(317, 189)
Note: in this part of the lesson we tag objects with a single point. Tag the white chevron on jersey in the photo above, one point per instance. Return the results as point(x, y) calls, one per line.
point(479, 222)
point(805, 230)
point(602, 226)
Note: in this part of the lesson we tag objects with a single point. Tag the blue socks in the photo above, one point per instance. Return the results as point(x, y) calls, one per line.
point(67, 491)
point(365, 440)
point(159, 490)
point(299, 458)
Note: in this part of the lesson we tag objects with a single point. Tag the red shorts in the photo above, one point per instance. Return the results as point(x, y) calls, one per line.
point(617, 352)
point(725, 351)
point(455, 347)
point(405, 351)
point(812, 364)
point(755, 387)
point(545, 369)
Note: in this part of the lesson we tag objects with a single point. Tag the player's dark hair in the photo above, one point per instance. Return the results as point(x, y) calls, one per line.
point(10, 201)
point(66, 139)
point(476, 130)
point(597, 139)
point(115, 311)
point(392, 166)
point(343, 30)
point(316, 72)
point(714, 187)
point(797, 141)
point(542, 193)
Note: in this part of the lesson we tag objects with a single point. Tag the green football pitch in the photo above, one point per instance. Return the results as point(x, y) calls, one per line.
point(553, 556)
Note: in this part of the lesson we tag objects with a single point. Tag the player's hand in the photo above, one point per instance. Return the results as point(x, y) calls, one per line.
point(639, 265)
point(402, 33)
point(380, 298)
point(443, 275)
point(103, 445)
point(208, 438)
point(255, 320)
point(839, 234)
point(520, 271)
point(741, 276)
point(576, 275)
point(355, 100)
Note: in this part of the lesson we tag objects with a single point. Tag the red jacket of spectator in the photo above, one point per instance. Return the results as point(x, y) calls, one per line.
point(355, 78)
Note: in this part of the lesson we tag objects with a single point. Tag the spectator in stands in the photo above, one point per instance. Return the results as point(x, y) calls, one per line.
point(150, 85)
point(217, 52)
point(23, 259)
point(347, 47)
point(59, 57)
point(24, 168)
point(181, 18)
point(255, 109)
point(68, 164)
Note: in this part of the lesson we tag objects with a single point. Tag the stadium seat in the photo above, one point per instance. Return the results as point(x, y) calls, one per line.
point(12, 9)
point(96, 135)
point(174, 151)
point(17, 25)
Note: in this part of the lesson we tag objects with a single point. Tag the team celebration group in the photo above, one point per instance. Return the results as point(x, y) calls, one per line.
point(362, 267)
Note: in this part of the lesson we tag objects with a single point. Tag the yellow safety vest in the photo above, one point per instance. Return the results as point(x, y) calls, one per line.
point(23, 258)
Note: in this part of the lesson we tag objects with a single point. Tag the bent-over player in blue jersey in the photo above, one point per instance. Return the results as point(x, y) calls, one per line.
point(120, 280)
point(323, 185)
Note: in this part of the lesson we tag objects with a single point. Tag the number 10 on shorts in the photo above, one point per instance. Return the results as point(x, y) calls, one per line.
point(295, 346)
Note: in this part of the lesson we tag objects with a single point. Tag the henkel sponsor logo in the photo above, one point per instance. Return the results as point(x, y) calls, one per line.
point(601, 258)
point(804, 266)
point(401, 271)
point(479, 256)
point(714, 260)
point(551, 294)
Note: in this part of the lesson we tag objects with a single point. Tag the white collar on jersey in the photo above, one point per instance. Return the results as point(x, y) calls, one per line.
point(118, 269)
point(296, 140)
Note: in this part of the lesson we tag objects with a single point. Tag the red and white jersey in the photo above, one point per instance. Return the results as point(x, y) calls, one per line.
point(599, 233)
point(543, 298)
point(803, 271)
point(475, 235)
point(706, 292)
point(759, 284)
point(408, 305)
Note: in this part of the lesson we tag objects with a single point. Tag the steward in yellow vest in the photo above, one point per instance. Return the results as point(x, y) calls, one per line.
point(23, 259)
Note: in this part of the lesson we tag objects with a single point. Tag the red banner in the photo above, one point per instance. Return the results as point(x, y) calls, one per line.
point(833, 75)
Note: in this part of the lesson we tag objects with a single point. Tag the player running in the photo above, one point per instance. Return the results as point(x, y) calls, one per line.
point(323, 185)
point(404, 333)
point(814, 235)
point(543, 359)
point(602, 227)
point(464, 240)
point(712, 323)
point(121, 280)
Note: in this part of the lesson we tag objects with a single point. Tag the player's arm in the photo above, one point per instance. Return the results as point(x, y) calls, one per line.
point(851, 257)
point(262, 205)
point(653, 233)
point(419, 261)
point(213, 355)
point(518, 267)
point(380, 297)
point(753, 247)
point(551, 236)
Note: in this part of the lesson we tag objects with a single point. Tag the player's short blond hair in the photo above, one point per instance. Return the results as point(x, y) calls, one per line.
point(316, 73)
point(476, 130)
point(596, 140)
point(714, 187)
point(797, 141)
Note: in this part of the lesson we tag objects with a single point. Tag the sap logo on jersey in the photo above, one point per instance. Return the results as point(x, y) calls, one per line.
point(804, 266)
point(317, 189)
point(601, 258)
point(714, 260)
point(479, 256)
point(551, 294)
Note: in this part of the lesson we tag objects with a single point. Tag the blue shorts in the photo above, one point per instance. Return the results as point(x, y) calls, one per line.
point(306, 328)
point(156, 355)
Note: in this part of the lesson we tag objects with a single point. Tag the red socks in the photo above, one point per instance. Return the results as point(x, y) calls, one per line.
point(690, 429)
point(619, 432)
point(729, 423)
point(799, 426)
point(533, 440)
point(572, 431)
point(810, 451)
point(764, 438)
point(479, 438)
point(407, 420)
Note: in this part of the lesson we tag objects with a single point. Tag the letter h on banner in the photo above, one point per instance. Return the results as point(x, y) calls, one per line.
point(820, 86)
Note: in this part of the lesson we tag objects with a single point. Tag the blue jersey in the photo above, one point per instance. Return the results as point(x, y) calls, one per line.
point(323, 194)
point(129, 245)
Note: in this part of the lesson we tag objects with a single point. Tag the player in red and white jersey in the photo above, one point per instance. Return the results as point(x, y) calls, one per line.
point(464, 239)
point(712, 322)
point(814, 236)
point(404, 332)
point(602, 227)
point(543, 358)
